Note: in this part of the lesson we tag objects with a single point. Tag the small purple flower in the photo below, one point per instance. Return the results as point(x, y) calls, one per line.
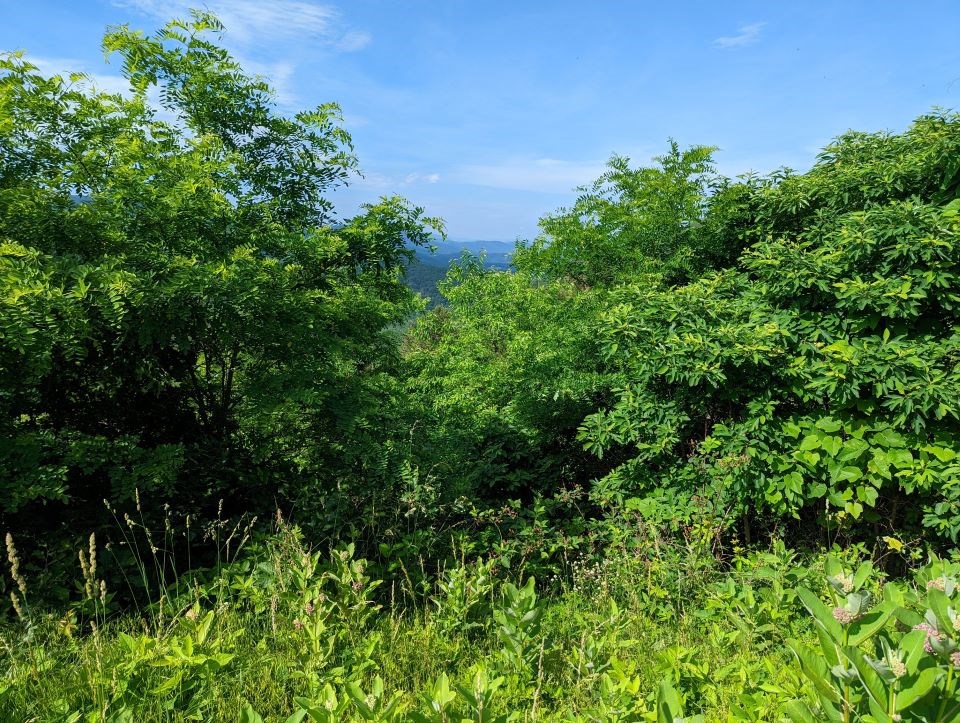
point(309, 608)
point(955, 658)
point(297, 625)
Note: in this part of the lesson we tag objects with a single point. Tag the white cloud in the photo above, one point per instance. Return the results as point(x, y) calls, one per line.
point(354, 40)
point(421, 178)
point(547, 175)
point(262, 22)
point(746, 35)
point(382, 182)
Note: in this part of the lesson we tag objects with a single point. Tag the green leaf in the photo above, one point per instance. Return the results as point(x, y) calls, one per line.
point(839, 473)
point(249, 715)
point(820, 612)
point(799, 712)
point(868, 676)
point(888, 438)
point(832, 445)
point(829, 425)
point(915, 687)
point(669, 708)
point(944, 454)
point(813, 667)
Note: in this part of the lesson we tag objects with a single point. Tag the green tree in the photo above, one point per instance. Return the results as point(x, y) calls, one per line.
point(822, 375)
point(629, 221)
point(179, 312)
point(502, 376)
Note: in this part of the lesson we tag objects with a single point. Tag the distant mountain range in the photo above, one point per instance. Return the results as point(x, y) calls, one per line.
point(426, 271)
point(497, 252)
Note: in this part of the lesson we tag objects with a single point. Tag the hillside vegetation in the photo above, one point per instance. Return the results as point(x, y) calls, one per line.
point(694, 456)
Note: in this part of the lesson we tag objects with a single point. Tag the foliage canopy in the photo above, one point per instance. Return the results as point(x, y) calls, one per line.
point(180, 315)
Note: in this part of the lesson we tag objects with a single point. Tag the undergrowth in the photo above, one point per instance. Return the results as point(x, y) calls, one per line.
point(648, 630)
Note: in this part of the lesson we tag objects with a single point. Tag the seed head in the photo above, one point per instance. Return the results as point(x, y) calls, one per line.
point(93, 554)
point(16, 604)
point(14, 559)
point(87, 577)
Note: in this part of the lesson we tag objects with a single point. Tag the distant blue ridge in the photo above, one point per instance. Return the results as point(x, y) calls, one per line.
point(498, 253)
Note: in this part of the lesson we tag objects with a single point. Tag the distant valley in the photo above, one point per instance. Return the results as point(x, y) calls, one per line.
point(428, 269)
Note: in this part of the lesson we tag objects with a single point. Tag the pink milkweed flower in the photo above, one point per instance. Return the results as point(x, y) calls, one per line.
point(932, 634)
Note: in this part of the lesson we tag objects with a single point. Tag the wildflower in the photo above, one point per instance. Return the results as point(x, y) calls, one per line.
point(955, 658)
point(357, 586)
point(938, 583)
point(309, 608)
point(844, 583)
point(932, 635)
point(297, 625)
point(843, 616)
point(898, 668)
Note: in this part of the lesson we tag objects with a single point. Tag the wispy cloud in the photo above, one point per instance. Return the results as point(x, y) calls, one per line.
point(260, 22)
point(384, 182)
point(354, 40)
point(746, 35)
point(548, 175)
point(421, 178)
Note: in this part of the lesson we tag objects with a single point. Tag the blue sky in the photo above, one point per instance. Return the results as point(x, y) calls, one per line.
point(490, 113)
